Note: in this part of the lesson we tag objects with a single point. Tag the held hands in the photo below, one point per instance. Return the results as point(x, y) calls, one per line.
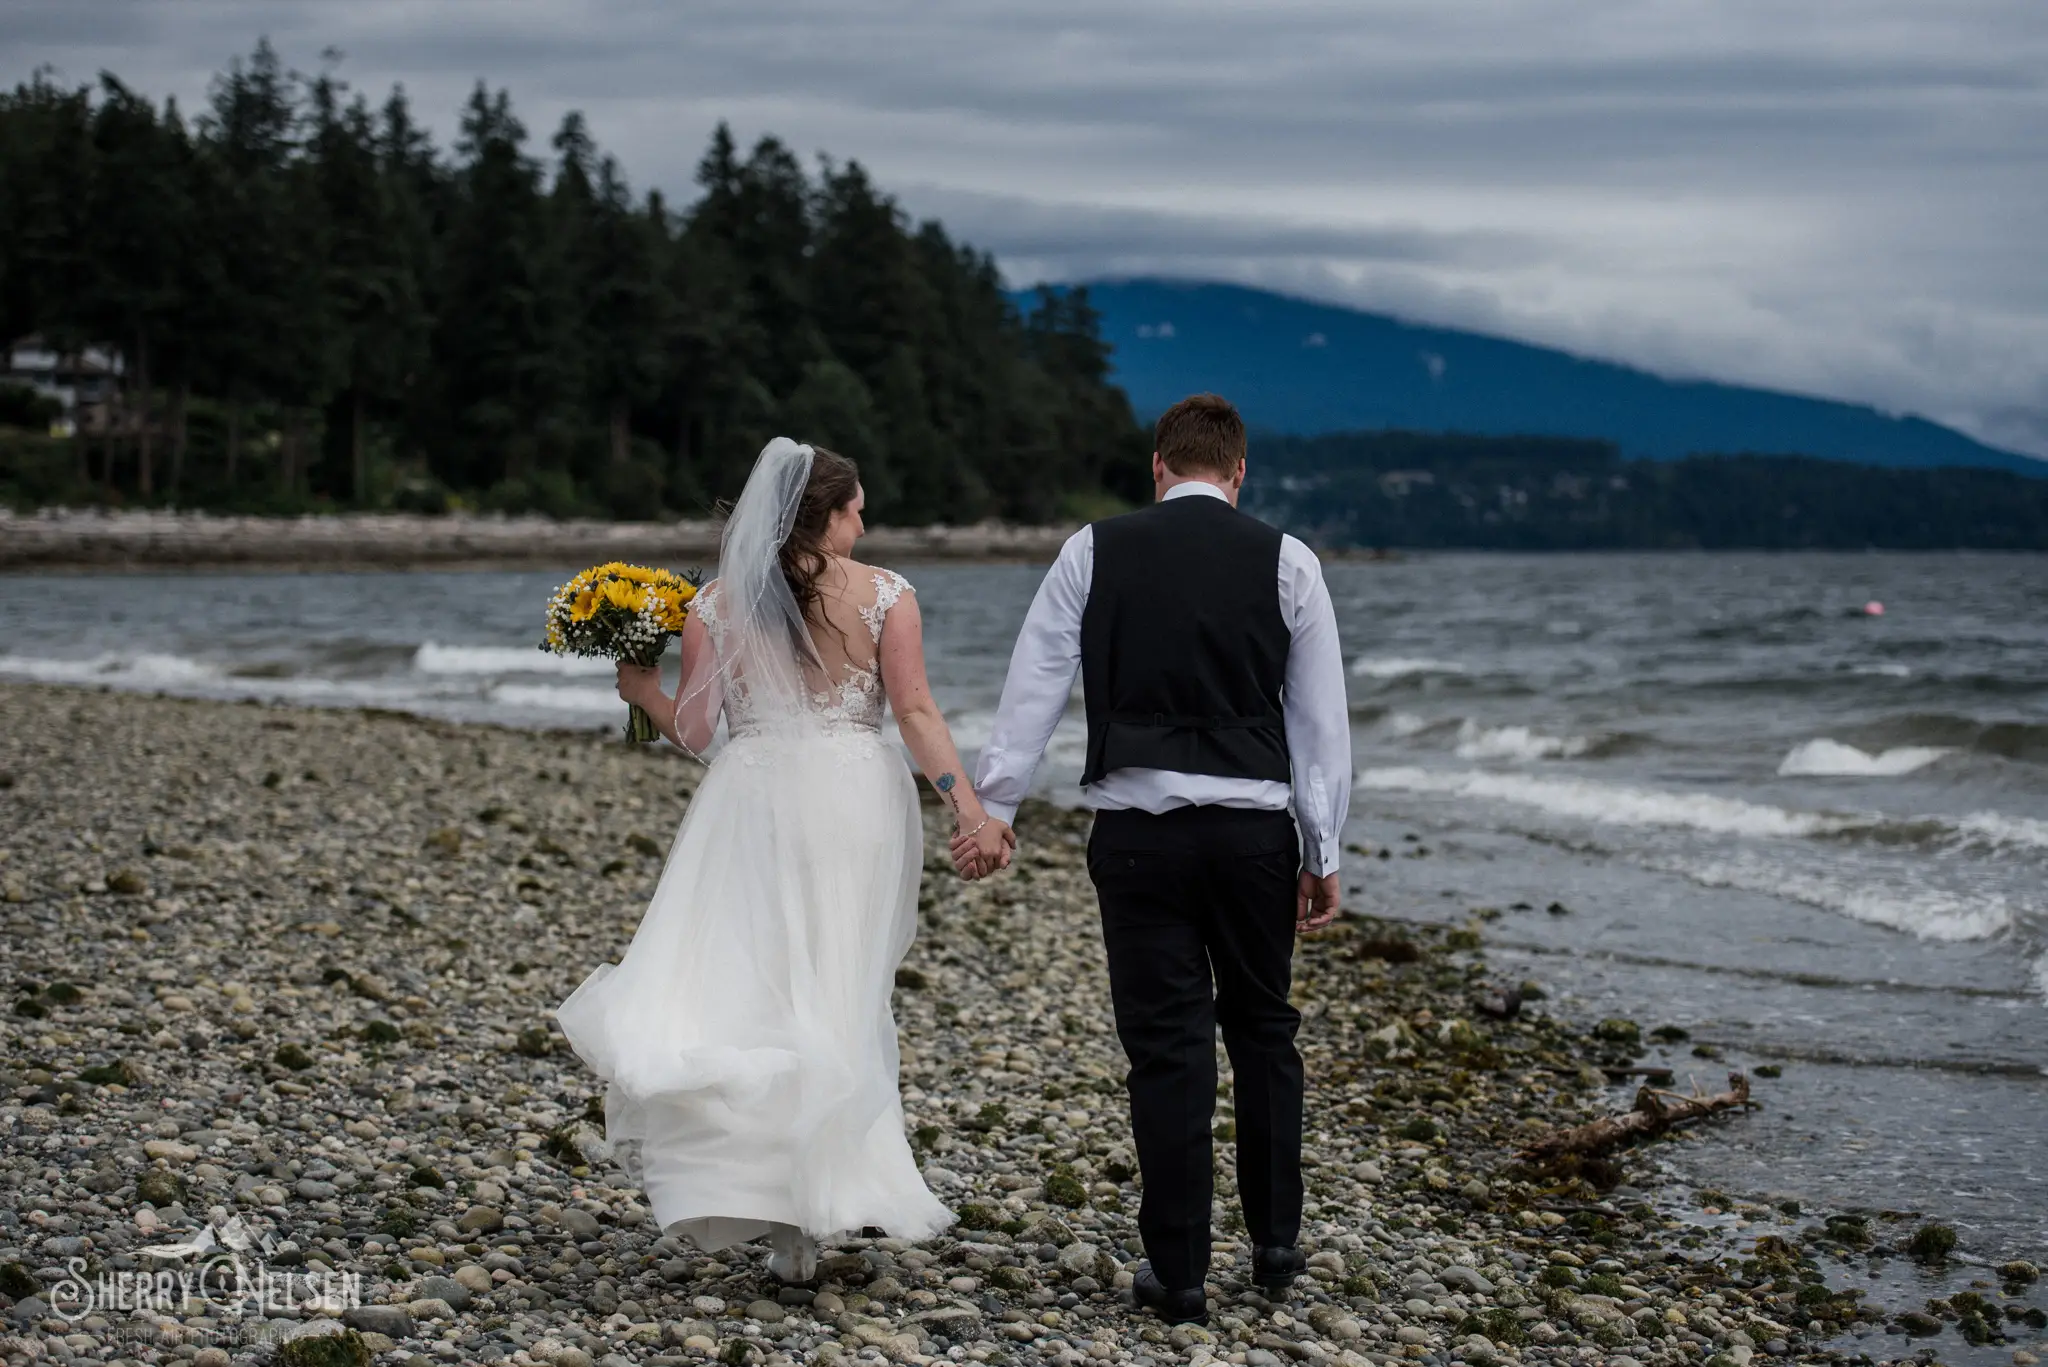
point(979, 853)
point(1315, 901)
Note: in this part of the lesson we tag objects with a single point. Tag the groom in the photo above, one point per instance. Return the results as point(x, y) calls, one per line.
point(1214, 687)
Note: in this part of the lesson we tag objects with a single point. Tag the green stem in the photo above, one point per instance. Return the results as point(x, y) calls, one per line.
point(640, 728)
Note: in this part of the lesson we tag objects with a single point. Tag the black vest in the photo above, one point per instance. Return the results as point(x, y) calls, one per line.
point(1183, 648)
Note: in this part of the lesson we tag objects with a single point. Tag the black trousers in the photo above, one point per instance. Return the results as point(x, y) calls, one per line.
point(1198, 919)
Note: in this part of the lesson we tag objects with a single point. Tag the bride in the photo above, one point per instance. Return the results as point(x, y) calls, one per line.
point(746, 1035)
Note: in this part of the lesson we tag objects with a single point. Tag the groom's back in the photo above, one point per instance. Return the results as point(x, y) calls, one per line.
point(1183, 645)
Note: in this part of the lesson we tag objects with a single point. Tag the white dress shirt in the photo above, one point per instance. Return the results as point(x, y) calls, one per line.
point(1318, 715)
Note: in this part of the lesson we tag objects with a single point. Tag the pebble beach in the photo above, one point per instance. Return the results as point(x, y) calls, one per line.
point(282, 980)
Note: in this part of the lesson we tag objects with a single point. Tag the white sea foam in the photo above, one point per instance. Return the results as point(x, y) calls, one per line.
point(1996, 828)
point(1617, 805)
point(557, 697)
point(1925, 912)
point(146, 671)
point(1478, 742)
point(1831, 759)
point(1065, 753)
point(1401, 667)
point(970, 728)
point(1405, 724)
point(181, 675)
point(435, 658)
point(1885, 671)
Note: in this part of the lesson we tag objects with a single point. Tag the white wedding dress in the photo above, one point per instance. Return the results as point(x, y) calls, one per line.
point(746, 1034)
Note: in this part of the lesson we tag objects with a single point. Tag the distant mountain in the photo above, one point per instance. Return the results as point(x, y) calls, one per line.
point(1303, 368)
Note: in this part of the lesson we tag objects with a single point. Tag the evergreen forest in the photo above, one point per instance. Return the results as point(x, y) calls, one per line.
point(317, 307)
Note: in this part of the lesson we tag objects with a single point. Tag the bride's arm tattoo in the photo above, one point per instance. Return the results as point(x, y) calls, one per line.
point(945, 784)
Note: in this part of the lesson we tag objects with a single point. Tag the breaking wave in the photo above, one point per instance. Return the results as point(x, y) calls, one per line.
point(1401, 667)
point(1997, 829)
point(558, 698)
point(435, 658)
point(2024, 741)
point(1613, 804)
point(1925, 912)
point(1478, 742)
point(186, 677)
point(1831, 759)
point(141, 672)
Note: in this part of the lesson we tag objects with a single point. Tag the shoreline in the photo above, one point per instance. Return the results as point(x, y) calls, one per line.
point(311, 957)
point(169, 541)
point(152, 541)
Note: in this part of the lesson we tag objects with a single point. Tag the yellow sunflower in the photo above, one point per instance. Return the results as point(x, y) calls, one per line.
point(672, 614)
point(621, 593)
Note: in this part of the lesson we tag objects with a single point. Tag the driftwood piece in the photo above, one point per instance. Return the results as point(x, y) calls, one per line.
point(1654, 1112)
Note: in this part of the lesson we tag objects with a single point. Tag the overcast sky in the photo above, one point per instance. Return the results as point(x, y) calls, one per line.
point(1842, 197)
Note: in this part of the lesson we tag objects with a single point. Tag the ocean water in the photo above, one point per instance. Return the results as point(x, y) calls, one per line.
point(1713, 792)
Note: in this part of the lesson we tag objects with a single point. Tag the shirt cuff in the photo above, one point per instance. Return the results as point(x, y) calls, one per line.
point(1005, 812)
point(1318, 857)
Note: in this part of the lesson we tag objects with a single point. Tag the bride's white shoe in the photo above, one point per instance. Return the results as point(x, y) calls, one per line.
point(795, 1256)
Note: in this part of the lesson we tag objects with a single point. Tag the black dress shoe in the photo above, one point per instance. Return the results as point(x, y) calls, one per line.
point(1190, 1306)
point(1274, 1269)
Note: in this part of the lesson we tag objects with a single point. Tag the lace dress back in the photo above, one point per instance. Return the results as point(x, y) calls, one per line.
point(848, 692)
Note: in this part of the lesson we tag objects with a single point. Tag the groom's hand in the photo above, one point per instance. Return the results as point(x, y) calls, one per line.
point(984, 852)
point(1315, 901)
point(966, 860)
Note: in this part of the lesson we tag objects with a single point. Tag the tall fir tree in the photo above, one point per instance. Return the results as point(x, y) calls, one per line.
point(493, 345)
point(250, 141)
point(375, 310)
point(137, 220)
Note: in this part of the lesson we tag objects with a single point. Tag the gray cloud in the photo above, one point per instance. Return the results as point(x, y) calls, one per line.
point(1040, 237)
point(1839, 196)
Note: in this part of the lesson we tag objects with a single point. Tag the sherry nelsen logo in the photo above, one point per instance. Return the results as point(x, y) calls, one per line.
point(231, 1278)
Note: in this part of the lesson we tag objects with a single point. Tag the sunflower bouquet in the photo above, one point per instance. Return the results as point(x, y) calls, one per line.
point(620, 612)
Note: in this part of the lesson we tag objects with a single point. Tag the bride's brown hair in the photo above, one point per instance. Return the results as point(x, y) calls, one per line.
point(833, 483)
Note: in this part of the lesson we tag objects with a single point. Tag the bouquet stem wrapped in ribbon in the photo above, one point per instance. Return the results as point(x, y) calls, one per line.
point(620, 612)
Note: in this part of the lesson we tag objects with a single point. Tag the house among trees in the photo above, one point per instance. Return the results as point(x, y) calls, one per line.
point(85, 382)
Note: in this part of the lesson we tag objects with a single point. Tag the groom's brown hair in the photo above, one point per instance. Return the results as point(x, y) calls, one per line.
point(1200, 435)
